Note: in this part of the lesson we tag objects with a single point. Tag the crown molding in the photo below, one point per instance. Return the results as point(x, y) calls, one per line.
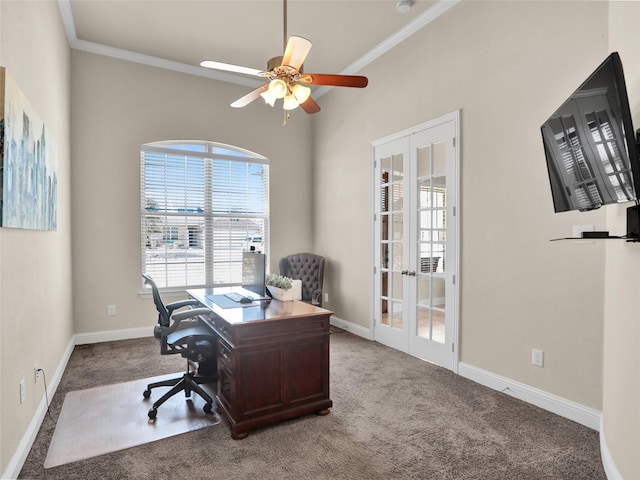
point(439, 8)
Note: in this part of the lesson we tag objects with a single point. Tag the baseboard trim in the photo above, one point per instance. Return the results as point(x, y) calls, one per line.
point(609, 465)
point(352, 327)
point(112, 335)
point(24, 447)
point(581, 414)
point(573, 411)
point(20, 456)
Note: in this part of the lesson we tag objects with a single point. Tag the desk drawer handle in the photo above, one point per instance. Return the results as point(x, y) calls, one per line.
point(225, 353)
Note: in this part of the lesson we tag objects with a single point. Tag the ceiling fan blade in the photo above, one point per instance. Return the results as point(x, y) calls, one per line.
point(310, 106)
point(296, 51)
point(228, 67)
point(334, 80)
point(250, 97)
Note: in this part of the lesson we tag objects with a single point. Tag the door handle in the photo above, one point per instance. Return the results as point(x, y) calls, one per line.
point(411, 273)
point(404, 272)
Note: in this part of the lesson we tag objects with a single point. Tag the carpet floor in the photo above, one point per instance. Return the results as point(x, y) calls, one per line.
point(393, 417)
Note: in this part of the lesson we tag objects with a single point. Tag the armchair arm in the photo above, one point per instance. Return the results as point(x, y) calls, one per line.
point(316, 297)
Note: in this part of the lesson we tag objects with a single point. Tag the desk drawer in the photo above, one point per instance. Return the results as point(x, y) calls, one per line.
point(225, 356)
point(222, 328)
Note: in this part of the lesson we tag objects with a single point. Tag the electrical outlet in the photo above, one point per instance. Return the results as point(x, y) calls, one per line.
point(326, 297)
point(23, 392)
point(111, 310)
point(537, 357)
point(36, 373)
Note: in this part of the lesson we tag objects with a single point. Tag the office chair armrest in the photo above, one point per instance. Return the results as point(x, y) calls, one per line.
point(179, 304)
point(316, 297)
point(179, 317)
point(191, 313)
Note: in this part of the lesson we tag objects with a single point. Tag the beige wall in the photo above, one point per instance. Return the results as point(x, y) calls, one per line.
point(35, 266)
point(621, 369)
point(493, 61)
point(488, 59)
point(116, 107)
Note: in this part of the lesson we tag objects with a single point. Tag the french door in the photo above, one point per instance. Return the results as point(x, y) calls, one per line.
point(415, 236)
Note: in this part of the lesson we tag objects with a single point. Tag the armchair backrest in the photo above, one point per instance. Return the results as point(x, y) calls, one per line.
point(309, 268)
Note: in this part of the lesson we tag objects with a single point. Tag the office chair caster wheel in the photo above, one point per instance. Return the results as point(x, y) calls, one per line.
point(146, 393)
point(207, 407)
point(152, 413)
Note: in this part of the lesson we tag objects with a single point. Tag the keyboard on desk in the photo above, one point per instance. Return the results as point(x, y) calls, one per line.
point(236, 297)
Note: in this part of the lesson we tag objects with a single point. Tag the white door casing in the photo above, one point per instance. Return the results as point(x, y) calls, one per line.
point(415, 279)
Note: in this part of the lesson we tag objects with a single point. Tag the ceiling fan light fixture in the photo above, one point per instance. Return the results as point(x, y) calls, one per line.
point(269, 97)
point(290, 102)
point(278, 87)
point(301, 93)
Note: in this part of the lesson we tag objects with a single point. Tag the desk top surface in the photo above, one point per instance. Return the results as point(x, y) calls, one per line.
point(259, 311)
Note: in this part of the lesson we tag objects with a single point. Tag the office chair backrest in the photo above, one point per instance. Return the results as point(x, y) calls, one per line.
point(309, 268)
point(163, 313)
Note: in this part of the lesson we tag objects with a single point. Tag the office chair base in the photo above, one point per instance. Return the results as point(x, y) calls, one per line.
point(187, 383)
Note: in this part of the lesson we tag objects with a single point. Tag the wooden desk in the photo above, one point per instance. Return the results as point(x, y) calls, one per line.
point(273, 361)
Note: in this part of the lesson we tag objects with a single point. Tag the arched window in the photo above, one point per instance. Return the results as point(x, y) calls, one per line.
point(202, 205)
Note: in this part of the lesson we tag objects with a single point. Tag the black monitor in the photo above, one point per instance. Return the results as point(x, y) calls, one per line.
point(254, 272)
point(590, 145)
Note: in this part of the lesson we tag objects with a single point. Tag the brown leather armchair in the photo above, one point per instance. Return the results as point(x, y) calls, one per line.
point(308, 268)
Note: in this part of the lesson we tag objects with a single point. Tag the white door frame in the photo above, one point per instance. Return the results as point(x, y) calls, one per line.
point(453, 116)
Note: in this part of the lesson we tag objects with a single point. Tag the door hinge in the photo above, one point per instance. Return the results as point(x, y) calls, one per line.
point(454, 142)
point(452, 348)
point(375, 217)
point(454, 279)
point(454, 210)
point(375, 269)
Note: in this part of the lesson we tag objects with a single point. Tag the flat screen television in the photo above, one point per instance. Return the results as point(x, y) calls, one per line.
point(590, 144)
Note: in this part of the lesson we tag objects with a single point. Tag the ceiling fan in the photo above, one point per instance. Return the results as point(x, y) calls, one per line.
point(286, 77)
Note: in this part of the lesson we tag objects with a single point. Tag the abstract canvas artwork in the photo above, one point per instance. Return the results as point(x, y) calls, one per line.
point(29, 184)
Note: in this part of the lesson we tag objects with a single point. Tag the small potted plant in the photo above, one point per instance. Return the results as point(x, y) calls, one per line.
point(280, 287)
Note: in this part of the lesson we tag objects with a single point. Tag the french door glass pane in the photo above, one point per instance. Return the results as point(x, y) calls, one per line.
point(397, 200)
point(396, 285)
point(424, 290)
point(384, 255)
point(397, 255)
point(397, 226)
point(439, 158)
point(398, 168)
point(424, 161)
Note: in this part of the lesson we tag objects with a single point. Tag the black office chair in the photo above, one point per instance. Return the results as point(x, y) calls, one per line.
point(182, 333)
point(309, 268)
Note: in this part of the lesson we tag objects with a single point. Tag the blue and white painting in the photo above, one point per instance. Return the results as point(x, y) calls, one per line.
point(28, 171)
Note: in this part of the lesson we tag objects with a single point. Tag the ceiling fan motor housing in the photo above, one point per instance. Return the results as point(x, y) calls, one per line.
point(275, 62)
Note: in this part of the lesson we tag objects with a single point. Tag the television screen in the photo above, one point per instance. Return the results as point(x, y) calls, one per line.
point(589, 143)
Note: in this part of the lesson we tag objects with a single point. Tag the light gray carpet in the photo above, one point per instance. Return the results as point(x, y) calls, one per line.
point(109, 418)
point(394, 417)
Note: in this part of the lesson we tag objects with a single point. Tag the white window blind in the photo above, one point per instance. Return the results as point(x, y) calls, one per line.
point(202, 205)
